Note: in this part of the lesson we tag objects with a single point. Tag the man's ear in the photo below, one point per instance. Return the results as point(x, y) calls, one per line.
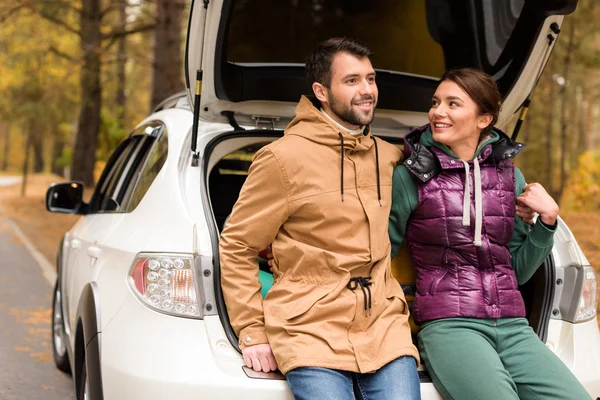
point(484, 121)
point(320, 92)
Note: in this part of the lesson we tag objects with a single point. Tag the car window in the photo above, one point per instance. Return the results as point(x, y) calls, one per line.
point(104, 198)
point(148, 171)
point(115, 186)
point(414, 37)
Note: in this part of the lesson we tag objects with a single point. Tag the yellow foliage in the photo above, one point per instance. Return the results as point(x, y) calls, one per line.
point(582, 192)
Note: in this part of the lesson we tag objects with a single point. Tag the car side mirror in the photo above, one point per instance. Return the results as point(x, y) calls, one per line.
point(65, 198)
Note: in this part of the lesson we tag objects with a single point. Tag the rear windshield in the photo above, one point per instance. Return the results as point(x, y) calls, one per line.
point(417, 37)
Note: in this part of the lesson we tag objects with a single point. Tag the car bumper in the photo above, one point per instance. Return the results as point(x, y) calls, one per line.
point(578, 346)
point(148, 355)
point(145, 354)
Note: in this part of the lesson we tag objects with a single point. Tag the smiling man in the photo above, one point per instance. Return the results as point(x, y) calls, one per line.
point(335, 321)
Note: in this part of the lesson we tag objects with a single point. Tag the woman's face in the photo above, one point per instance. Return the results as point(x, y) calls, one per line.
point(455, 119)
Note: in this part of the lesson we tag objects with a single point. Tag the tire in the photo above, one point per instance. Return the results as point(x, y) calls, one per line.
point(59, 347)
point(84, 389)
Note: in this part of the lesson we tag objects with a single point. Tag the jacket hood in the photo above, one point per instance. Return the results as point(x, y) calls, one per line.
point(421, 162)
point(308, 116)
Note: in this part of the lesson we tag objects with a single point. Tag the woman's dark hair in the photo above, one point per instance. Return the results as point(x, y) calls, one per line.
point(318, 64)
point(481, 88)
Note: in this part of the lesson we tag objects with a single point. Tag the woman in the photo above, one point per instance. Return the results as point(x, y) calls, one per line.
point(454, 204)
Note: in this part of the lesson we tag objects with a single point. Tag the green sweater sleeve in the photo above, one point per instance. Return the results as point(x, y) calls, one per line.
point(405, 198)
point(528, 246)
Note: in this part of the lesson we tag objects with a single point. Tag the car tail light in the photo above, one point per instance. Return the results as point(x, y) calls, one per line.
point(166, 283)
point(586, 308)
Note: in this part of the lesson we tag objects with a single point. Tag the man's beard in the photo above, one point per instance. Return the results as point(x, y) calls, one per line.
point(348, 114)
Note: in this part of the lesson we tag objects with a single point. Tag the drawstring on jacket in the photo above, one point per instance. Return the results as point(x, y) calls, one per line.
point(342, 162)
point(467, 200)
point(342, 150)
point(364, 284)
point(377, 168)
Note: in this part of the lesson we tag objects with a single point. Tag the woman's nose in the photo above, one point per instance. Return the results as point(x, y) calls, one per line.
point(439, 111)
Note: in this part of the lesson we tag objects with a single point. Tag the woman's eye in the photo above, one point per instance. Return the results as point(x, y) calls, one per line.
point(453, 104)
point(434, 103)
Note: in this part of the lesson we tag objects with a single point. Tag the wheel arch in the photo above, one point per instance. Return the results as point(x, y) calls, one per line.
point(88, 341)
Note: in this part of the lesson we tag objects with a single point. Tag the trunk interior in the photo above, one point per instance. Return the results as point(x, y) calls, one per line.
point(227, 160)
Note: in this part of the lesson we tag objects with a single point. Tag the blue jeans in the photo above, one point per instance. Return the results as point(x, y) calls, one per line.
point(397, 380)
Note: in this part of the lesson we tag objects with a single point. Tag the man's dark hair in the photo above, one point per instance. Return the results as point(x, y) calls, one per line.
point(318, 64)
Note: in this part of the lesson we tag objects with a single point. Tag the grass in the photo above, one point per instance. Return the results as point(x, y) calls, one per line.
point(45, 229)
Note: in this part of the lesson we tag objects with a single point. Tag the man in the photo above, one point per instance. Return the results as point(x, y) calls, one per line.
point(335, 319)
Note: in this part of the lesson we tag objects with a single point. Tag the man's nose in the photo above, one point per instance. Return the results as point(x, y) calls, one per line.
point(367, 88)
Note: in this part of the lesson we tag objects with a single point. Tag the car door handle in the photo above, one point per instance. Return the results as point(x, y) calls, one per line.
point(94, 251)
point(75, 244)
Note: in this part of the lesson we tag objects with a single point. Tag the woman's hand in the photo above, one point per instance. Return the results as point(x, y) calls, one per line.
point(535, 197)
point(526, 213)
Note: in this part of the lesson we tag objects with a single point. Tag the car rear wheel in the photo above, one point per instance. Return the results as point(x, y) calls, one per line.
point(59, 349)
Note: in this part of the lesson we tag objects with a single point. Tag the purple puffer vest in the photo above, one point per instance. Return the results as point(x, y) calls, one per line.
point(456, 278)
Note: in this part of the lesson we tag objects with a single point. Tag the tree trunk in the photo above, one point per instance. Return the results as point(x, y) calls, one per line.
point(28, 145)
point(6, 146)
point(38, 152)
point(579, 123)
point(88, 126)
point(167, 65)
point(563, 117)
point(121, 62)
point(589, 112)
point(57, 150)
point(549, 120)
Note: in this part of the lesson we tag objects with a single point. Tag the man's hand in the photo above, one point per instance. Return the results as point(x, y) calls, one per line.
point(535, 197)
point(260, 358)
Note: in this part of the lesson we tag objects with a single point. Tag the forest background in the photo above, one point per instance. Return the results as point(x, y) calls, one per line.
point(77, 75)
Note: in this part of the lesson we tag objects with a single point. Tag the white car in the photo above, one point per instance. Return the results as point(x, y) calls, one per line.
point(138, 308)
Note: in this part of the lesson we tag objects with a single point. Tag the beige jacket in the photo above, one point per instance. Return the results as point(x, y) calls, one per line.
point(322, 235)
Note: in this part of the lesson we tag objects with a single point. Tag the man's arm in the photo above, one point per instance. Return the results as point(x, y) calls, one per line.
point(262, 207)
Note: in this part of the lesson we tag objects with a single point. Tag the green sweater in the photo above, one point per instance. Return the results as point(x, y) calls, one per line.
point(528, 246)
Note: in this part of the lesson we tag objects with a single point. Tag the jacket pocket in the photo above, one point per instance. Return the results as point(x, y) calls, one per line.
point(436, 281)
point(306, 299)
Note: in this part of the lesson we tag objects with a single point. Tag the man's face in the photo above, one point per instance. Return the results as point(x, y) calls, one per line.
point(352, 95)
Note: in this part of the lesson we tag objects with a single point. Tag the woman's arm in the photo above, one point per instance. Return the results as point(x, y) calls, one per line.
point(530, 246)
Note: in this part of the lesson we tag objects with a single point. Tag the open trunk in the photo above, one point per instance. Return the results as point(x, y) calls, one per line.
point(249, 55)
point(244, 65)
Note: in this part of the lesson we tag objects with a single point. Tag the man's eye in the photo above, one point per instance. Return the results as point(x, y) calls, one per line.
point(371, 79)
point(353, 80)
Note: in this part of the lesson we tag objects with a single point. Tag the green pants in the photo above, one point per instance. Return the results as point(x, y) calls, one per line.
point(494, 359)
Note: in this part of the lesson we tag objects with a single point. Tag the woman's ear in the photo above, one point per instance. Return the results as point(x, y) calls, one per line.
point(484, 120)
point(320, 92)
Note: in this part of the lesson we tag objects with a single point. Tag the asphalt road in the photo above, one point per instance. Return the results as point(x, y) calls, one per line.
point(27, 368)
